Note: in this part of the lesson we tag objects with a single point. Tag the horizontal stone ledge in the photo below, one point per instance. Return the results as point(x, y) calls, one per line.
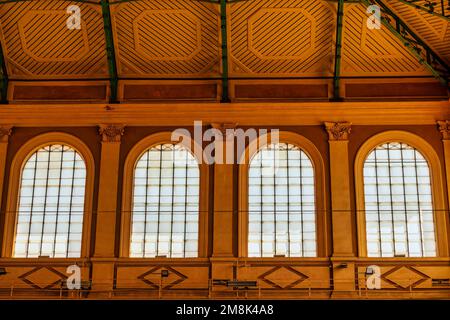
point(312, 113)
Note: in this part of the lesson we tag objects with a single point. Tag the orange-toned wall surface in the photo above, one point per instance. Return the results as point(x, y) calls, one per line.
point(333, 274)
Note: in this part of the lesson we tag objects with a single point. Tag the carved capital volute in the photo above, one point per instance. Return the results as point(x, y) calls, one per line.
point(111, 132)
point(338, 131)
point(444, 128)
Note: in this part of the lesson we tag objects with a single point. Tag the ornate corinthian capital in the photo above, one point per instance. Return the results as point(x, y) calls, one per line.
point(444, 128)
point(111, 132)
point(338, 130)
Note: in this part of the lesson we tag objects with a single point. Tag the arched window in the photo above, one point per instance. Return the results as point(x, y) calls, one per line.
point(398, 202)
point(281, 203)
point(165, 203)
point(51, 203)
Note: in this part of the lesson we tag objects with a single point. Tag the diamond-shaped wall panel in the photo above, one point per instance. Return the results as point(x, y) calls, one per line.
point(43, 277)
point(404, 277)
point(153, 276)
point(283, 277)
point(144, 276)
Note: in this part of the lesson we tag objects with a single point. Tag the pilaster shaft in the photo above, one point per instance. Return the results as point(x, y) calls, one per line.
point(5, 132)
point(338, 133)
point(444, 128)
point(223, 193)
point(107, 191)
point(341, 216)
point(105, 235)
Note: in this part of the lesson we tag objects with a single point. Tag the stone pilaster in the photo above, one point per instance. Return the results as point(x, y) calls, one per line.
point(341, 215)
point(444, 128)
point(105, 234)
point(5, 133)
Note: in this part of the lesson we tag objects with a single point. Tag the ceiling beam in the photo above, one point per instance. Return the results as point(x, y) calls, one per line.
point(224, 36)
point(338, 51)
point(110, 51)
point(412, 42)
point(269, 113)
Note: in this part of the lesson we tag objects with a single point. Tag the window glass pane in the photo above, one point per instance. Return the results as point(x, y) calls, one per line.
point(51, 203)
point(165, 203)
point(398, 203)
point(281, 203)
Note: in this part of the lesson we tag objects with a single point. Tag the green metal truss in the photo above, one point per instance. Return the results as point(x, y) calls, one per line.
point(109, 40)
point(430, 7)
point(224, 36)
point(412, 42)
point(110, 51)
point(110, 48)
point(338, 50)
point(390, 20)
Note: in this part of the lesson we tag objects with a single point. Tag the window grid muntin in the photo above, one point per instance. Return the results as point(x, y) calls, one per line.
point(301, 215)
point(183, 214)
point(411, 163)
point(37, 211)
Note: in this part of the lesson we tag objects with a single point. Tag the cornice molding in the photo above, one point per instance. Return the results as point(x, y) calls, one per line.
point(246, 114)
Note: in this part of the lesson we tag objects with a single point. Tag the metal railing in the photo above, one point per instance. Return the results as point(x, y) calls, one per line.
point(253, 289)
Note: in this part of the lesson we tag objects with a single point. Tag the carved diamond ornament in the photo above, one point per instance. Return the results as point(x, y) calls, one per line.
point(404, 277)
point(153, 276)
point(284, 277)
point(43, 277)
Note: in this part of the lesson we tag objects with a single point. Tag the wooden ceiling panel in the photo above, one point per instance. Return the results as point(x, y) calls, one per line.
point(159, 38)
point(373, 52)
point(290, 38)
point(181, 40)
point(434, 30)
point(37, 43)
